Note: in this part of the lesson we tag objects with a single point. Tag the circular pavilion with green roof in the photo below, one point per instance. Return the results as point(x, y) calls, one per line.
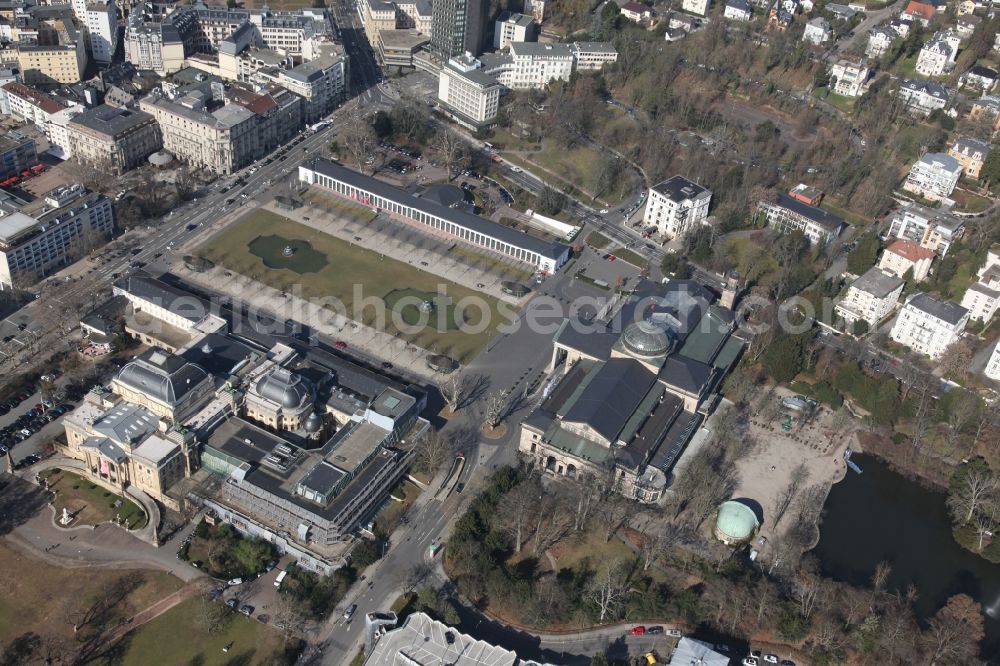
point(736, 523)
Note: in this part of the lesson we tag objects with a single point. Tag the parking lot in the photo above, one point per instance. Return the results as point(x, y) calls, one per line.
point(24, 430)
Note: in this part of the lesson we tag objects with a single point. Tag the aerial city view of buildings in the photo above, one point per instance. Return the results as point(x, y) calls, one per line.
point(452, 332)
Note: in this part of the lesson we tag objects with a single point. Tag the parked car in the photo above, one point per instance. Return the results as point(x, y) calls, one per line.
point(349, 613)
point(247, 610)
point(638, 631)
point(235, 581)
point(749, 661)
point(233, 603)
point(340, 344)
point(770, 659)
point(655, 630)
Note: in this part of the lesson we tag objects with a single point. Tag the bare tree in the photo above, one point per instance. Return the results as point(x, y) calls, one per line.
point(359, 138)
point(450, 150)
point(210, 616)
point(495, 408)
point(432, 451)
point(454, 390)
point(880, 579)
point(953, 634)
point(515, 509)
point(788, 493)
point(607, 590)
point(974, 490)
point(553, 520)
point(612, 513)
point(417, 575)
point(962, 411)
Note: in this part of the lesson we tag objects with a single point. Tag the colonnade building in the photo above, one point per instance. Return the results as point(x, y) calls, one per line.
point(546, 256)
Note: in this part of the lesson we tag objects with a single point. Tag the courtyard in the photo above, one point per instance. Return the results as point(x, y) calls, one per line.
point(368, 286)
point(89, 503)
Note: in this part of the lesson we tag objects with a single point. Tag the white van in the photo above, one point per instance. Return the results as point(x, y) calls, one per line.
point(281, 577)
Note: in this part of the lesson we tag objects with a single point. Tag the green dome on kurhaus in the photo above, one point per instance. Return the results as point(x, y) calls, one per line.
point(736, 522)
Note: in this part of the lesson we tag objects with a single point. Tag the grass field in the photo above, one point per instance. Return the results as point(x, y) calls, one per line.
point(35, 596)
point(89, 503)
point(631, 257)
point(176, 637)
point(353, 276)
point(597, 240)
point(841, 102)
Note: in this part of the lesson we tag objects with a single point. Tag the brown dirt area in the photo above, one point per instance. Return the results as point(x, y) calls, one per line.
point(35, 596)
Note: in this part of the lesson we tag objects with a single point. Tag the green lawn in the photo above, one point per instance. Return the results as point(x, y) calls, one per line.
point(850, 217)
point(177, 637)
point(841, 102)
point(351, 277)
point(968, 202)
point(90, 503)
point(631, 257)
point(597, 240)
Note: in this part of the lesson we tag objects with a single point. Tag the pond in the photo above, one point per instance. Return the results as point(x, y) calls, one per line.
point(881, 515)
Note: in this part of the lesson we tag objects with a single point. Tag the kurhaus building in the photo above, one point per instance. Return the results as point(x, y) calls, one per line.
point(622, 407)
point(544, 255)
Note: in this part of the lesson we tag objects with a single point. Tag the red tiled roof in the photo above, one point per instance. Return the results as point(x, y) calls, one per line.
point(910, 250)
point(251, 101)
point(43, 101)
point(922, 9)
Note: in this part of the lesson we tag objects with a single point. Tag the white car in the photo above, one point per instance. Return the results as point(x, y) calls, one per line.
point(516, 169)
point(604, 211)
point(235, 581)
point(749, 661)
point(770, 659)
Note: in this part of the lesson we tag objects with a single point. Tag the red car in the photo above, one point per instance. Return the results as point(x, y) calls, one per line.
point(340, 344)
point(638, 631)
point(611, 257)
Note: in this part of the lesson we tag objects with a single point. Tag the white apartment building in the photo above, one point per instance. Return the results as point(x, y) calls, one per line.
point(929, 326)
point(850, 78)
point(982, 298)
point(934, 176)
point(52, 232)
point(993, 365)
point(535, 65)
point(101, 21)
point(879, 41)
point(697, 7)
point(469, 95)
point(922, 96)
point(903, 255)
point(592, 56)
point(817, 31)
point(511, 28)
point(936, 58)
point(788, 214)
point(321, 82)
point(871, 297)
point(676, 206)
point(737, 10)
point(933, 229)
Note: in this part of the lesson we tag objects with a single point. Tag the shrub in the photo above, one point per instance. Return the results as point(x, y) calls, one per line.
point(76, 487)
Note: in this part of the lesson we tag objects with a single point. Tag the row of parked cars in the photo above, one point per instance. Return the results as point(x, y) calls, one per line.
point(755, 658)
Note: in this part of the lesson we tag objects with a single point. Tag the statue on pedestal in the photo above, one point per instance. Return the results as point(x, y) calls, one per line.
point(66, 518)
